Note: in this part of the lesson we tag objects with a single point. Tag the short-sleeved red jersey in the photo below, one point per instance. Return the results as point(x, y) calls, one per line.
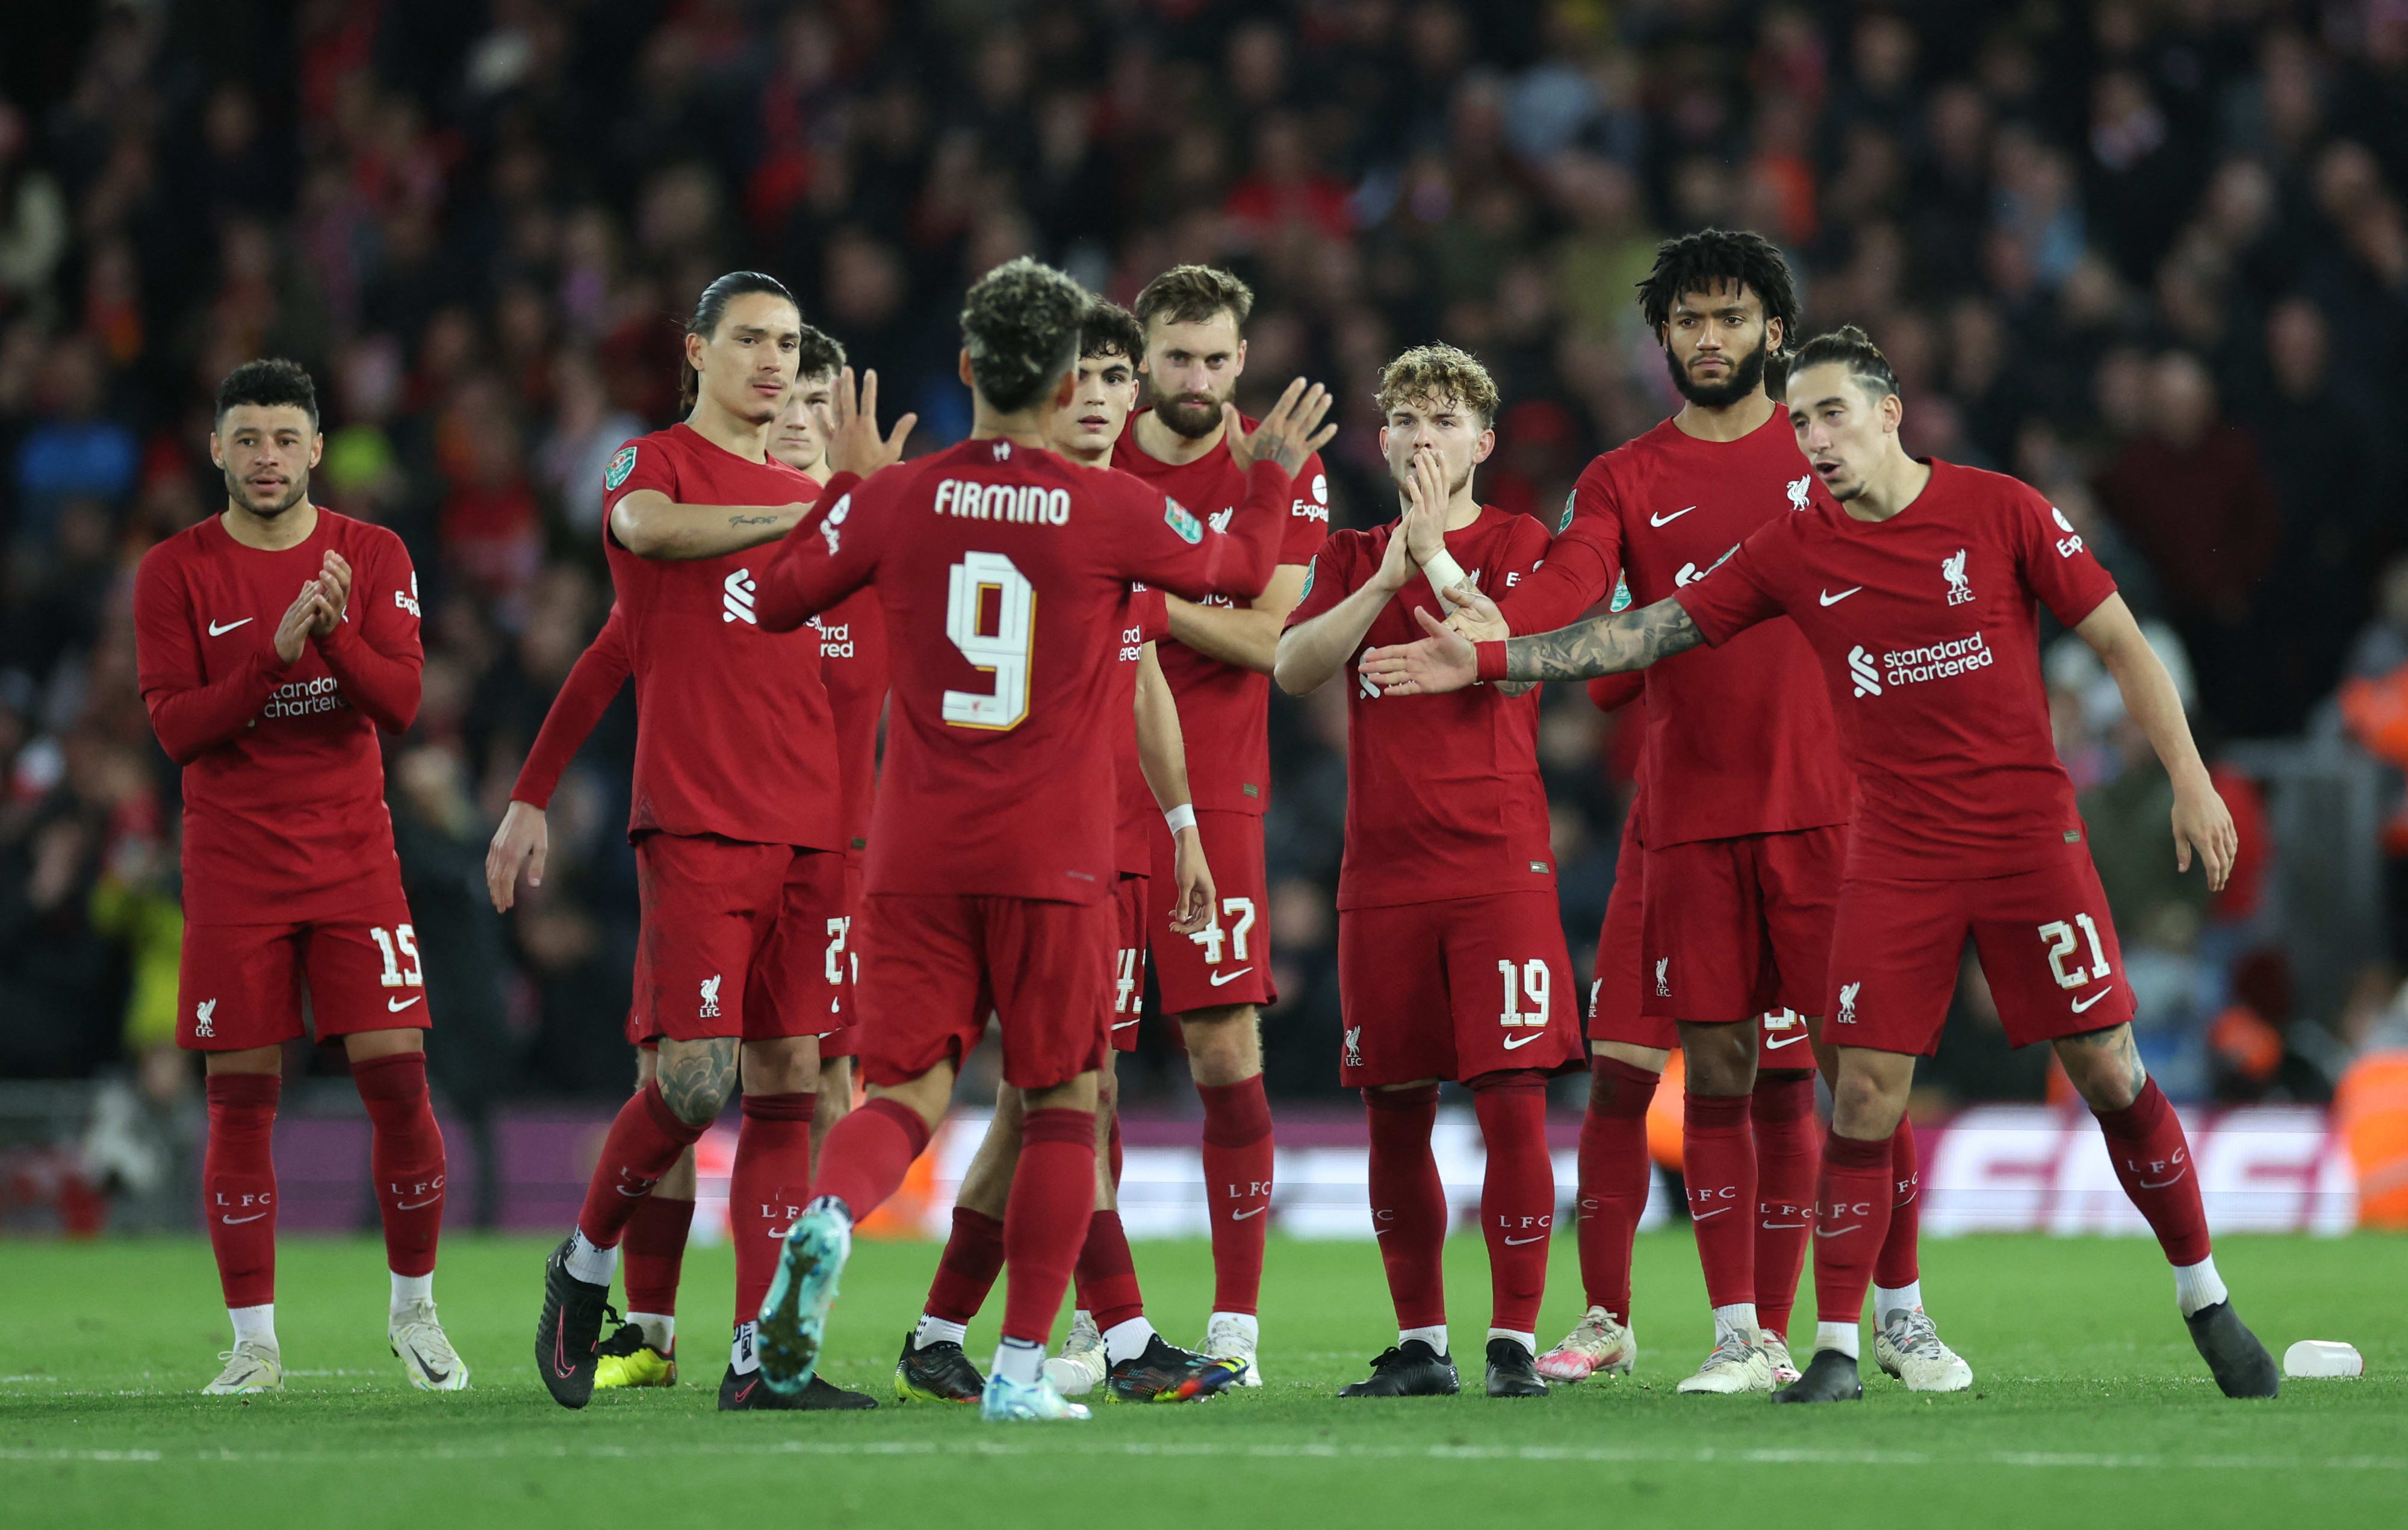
point(852, 664)
point(1224, 702)
point(1145, 620)
point(284, 812)
point(1927, 635)
point(592, 686)
point(1743, 730)
point(1443, 797)
point(733, 734)
point(1003, 573)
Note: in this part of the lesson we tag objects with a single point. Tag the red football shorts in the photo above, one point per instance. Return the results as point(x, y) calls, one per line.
point(1229, 963)
point(933, 965)
point(738, 939)
point(1128, 966)
point(1739, 926)
point(1614, 1013)
point(844, 958)
point(1454, 990)
point(2046, 945)
point(240, 985)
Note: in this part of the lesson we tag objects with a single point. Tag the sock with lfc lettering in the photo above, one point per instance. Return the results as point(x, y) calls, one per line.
point(239, 1186)
point(1517, 1198)
point(767, 1187)
point(646, 1137)
point(1787, 1155)
point(1045, 1221)
point(1901, 1263)
point(1408, 1202)
point(1237, 1187)
point(1614, 1177)
point(1718, 1164)
point(405, 1157)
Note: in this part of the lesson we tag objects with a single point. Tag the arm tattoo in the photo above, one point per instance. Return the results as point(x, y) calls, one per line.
point(1632, 640)
point(697, 1077)
point(733, 520)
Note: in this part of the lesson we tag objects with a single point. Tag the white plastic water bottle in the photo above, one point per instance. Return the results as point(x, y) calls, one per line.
point(2323, 1357)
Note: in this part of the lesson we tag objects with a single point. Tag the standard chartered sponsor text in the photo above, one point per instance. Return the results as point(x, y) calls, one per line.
point(1937, 661)
point(305, 699)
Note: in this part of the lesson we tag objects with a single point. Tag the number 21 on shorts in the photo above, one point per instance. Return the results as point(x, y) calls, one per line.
point(2062, 943)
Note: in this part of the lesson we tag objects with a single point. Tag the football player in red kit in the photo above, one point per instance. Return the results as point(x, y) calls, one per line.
point(274, 640)
point(1218, 658)
point(1451, 959)
point(1741, 865)
point(641, 1352)
point(1003, 571)
point(1917, 589)
point(1111, 1343)
point(736, 824)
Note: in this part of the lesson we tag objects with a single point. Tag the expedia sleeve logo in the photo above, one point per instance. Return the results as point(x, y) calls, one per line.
point(1182, 520)
point(621, 466)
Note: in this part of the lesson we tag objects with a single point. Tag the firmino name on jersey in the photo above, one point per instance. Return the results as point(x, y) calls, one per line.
point(1025, 504)
point(305, 699)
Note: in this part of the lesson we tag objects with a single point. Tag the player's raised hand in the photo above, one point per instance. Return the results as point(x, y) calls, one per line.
point(293, 632)
point(522, 842)
point(1444, 661)
point(1425, 515)
point(335, 584)
point(1475, 615)
point(854, 446)
point(1190, 908)
point(2203, 823)
point(1291, 432)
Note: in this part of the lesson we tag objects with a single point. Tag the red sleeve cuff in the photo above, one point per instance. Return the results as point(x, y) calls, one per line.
point(1491, 659)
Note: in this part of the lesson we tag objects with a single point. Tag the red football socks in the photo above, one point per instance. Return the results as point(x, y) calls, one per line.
point(765, 1188)
point(1613, 1179)
point(1408, 1202)
point(645, 1140)
point(1719, 1162)
point(1850, 1213)
point(1237, 1188)
point(965, 1271)
point(869, 1152)
point(238, 1185)
point(1517, 1198)
point(1787, 1158)
point(2152, 1158)
point(1899, 1264)
point(1045, 1221)
point(654, 1254)
point(405, 1156)
point(1107, 1273)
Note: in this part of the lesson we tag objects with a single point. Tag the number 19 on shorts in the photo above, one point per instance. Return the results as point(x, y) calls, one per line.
point(1526, 983)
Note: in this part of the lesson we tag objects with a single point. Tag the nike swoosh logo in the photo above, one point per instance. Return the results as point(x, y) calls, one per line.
point(1775, 1227)
point(2081, 1005)
point(1123, 1025)
point(217, 631)
point(1516, 1243)
point(396, 1006)
point(1668, 520)
point(237, 1222)
point(1835, 1231)
point(1241, 1215)
point(1772, 1046)
point(1219, 978)
point(419, 1206)
point(2161, 1184)
point(1512, 1043)
point(745, 1391)
point(1830, 600)
point(1709, 1216)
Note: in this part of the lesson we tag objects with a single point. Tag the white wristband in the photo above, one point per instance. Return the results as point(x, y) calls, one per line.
point(1444, 574)
point(1181, 816)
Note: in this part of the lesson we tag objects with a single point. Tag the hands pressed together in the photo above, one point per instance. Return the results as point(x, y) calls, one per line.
point(316, 612)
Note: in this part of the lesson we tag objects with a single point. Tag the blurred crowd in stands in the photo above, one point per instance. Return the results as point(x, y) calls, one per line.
point(2152, 257)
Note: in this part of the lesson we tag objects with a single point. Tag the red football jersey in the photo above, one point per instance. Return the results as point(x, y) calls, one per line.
point(285, 815)
point(852, 664)
point(1144, 620)
point(1928, 638)
point(1443, 797)
point(1744, 730)
point(1228, 704)
point(733, 734)
point(592, 686)
point(1003, 573)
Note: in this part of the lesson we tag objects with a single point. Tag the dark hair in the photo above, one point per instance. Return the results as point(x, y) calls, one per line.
point(708, 310)
point(1189, 294)
point(270, 382)
point(1853, 349)
point(1111, 330)
point(820, 355)
point(1020, 325)
point(1708, 259)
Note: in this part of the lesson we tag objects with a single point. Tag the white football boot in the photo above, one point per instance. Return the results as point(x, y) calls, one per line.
point(426, 1354)
point(1909, 1348)
point(250, 1366)
point(1080, 1368)
point(1597, 1344)
point(1737, 1364)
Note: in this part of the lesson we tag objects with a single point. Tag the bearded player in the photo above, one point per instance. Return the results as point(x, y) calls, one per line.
point(1217, 660)
point(1111, 1343)
point(1450, 960)
point(274, 641)
point(1003, 570)
point(1917, 589)
point(642, 1351)
point(1741, 865)
point(738, 830)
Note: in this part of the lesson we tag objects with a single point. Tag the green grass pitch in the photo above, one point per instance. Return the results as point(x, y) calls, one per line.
point(2089, 1406)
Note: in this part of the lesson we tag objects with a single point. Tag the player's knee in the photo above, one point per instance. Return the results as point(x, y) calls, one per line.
point(1720, 1059)
point(2104, 1068)
point(1224, 1045)
point(1865, 1105)
point(697, 1081)
point(787, 1065)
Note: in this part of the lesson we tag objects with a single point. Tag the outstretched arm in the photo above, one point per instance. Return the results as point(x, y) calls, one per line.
point(1447, 661)
point(2201, 822)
